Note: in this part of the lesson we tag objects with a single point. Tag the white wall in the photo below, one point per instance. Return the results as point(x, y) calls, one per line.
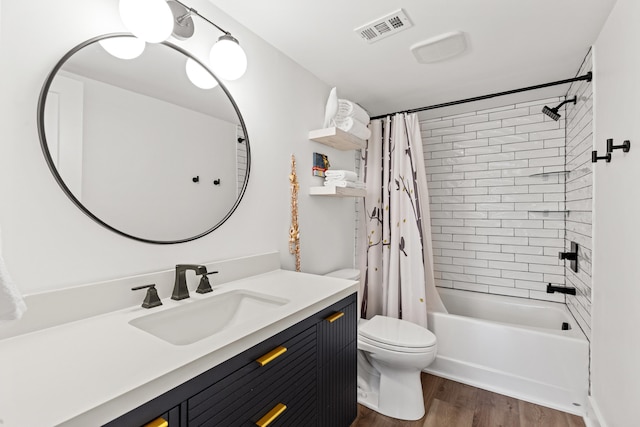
point(49, 244)
point(616, 269)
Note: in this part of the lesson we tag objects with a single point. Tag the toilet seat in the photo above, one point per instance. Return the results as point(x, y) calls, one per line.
point(396, 335)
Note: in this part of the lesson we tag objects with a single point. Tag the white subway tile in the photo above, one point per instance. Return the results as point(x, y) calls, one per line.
point(482, 199)
point(440, 192)
point(448, 153)
point(494, 206)
point(447, 176)
point(508, 291)
point(496, 281)
point(494, 182)
point(471, 119)
point(458, 254)
point(458, 207)
point(470, 215)
point(543, 268)
point(444, 283)
point(509, 139)
point(490, 133)
point(430, 144)
point(481, 247)
point(458, 160)
point(471, 167)
point(441, 214)
point(510, 173)
point(441, 260)
point(442, 237)
point(447, 131)
point(480, 263)
point(471, 143)
point(495, 257)
point(448, 268)
point(476, 191)
point(459, 137)
point(471, 287)
point(447, 222)
point(513, 198)
point(518, 189)
point(534, 259)
point(534, 154)
point(547, 161)
point(523, 146)
point(495, 157)
point(554, 243)
point(531, 285)
point(505, 240)
point(470, 238)
point(487, 272)
point(459, 277)
point(495, 231)
point(517, 266)
point(537, 127)
point(447, 199)
point(458, 184)
point(536, 232)
point(529, 250)
point(458, 230)
point(510, 164)
point(547, 134)
point(482, 126)
point(522, 275)
point(523, 120)
point(436, 124)
point(481, 151)
point(508, 215)
point(483, 174)
point(505, 114)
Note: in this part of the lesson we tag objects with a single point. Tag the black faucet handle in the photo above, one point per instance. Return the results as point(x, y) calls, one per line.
point(204, 286)
point(151, 299)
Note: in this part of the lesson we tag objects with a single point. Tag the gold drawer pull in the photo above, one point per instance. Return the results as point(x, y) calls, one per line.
point(271, 356)
point(159, 422)
point(334, 317)
point(271, 415)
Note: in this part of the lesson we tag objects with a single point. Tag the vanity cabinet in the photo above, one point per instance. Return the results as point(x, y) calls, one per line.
point(302, 376)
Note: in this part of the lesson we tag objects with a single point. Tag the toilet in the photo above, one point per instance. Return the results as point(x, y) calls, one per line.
point(391, 355)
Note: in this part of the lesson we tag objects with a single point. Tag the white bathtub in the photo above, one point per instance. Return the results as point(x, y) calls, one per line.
point(512, 346)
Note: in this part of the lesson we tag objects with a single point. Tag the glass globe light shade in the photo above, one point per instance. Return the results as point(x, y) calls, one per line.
point(227, 58)
point(199, 76)
point(123, 47)
point(150, 20)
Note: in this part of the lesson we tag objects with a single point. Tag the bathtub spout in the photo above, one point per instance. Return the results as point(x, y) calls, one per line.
point(562, 289)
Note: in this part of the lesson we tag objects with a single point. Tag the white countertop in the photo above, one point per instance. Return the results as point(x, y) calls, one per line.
point(90, 371)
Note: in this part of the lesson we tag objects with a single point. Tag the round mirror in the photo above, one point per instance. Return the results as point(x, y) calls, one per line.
point(148, 146)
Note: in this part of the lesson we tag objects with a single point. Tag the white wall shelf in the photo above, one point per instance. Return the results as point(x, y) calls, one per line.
point(337, 191)
point(337, 138)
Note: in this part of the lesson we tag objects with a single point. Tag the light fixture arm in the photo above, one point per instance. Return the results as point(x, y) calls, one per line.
point(191, 12)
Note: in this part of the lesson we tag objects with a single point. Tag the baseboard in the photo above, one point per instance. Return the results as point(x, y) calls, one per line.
point(593, 417)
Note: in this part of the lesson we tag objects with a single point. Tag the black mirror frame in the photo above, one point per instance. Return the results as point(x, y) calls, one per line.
point(45, 147)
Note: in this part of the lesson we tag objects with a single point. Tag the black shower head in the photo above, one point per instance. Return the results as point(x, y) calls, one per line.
point(553, 112)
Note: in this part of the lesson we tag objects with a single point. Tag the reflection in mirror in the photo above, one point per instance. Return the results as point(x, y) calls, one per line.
point(125, 139)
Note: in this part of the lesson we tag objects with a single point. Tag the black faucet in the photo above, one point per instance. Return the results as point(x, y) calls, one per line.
point(562, 289)
point(180, 290)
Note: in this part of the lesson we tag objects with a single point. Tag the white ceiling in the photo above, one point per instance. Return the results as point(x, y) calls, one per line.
point(511, 44)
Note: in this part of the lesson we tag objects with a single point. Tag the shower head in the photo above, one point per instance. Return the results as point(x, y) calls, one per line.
point(553, 112)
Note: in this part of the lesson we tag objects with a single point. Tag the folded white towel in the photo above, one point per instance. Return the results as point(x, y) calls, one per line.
point(348, 108)
point(341, 175)
point(354, 127)
point(12, 304)
point(346, 184)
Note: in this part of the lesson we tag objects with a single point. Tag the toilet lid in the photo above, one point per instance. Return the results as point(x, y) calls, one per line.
point(397, 332)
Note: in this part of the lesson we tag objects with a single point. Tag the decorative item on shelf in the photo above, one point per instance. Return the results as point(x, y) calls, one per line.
point(320, 164)
point(294, 231)
point(154, 21)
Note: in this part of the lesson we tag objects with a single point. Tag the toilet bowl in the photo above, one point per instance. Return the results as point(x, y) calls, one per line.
point(391, 356)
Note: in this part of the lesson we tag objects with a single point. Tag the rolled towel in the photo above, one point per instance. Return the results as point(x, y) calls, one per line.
point(348, 108)
point(340, 175)
point(346, 184)
point(331, 109)
point(354, 127)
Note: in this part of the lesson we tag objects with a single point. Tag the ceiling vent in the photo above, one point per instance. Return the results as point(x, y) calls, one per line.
point(440, 47)
point(384, 27)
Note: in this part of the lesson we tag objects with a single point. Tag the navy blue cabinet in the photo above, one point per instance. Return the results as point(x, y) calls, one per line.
point(303, 376)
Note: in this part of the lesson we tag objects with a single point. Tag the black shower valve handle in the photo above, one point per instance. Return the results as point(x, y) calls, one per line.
point(625, 147)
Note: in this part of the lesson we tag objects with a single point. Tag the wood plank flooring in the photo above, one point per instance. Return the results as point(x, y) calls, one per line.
point(451, 404)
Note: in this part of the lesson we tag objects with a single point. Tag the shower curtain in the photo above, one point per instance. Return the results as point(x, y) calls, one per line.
point(396, 253)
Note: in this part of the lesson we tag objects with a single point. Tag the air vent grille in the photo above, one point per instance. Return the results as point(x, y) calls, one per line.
point(384, 27)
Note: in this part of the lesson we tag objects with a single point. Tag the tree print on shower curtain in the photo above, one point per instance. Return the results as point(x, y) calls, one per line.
point(395, 239)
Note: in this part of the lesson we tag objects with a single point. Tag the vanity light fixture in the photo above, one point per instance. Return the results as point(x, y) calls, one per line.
point(155, 21)
point(200, 76)
point(123, 47)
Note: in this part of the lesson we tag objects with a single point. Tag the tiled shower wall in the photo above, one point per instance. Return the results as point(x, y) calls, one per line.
point(579, 184)
point(497, 199)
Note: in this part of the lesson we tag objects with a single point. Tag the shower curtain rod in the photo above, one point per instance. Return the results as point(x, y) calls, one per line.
point(586, 77)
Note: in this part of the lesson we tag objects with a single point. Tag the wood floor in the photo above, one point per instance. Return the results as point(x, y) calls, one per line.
point(451, 404)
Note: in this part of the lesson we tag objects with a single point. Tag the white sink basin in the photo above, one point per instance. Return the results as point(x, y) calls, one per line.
point(196, 320)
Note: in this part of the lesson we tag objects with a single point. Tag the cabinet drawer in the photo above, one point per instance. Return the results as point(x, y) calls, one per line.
point(254, 386)
point(337, 328)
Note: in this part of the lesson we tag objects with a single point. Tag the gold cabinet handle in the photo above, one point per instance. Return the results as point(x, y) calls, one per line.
point(271, 415)
point(334, 317)
point(159, 422)
point(271, 356)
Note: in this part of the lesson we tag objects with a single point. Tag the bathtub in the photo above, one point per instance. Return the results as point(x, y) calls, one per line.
point(512, 346)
